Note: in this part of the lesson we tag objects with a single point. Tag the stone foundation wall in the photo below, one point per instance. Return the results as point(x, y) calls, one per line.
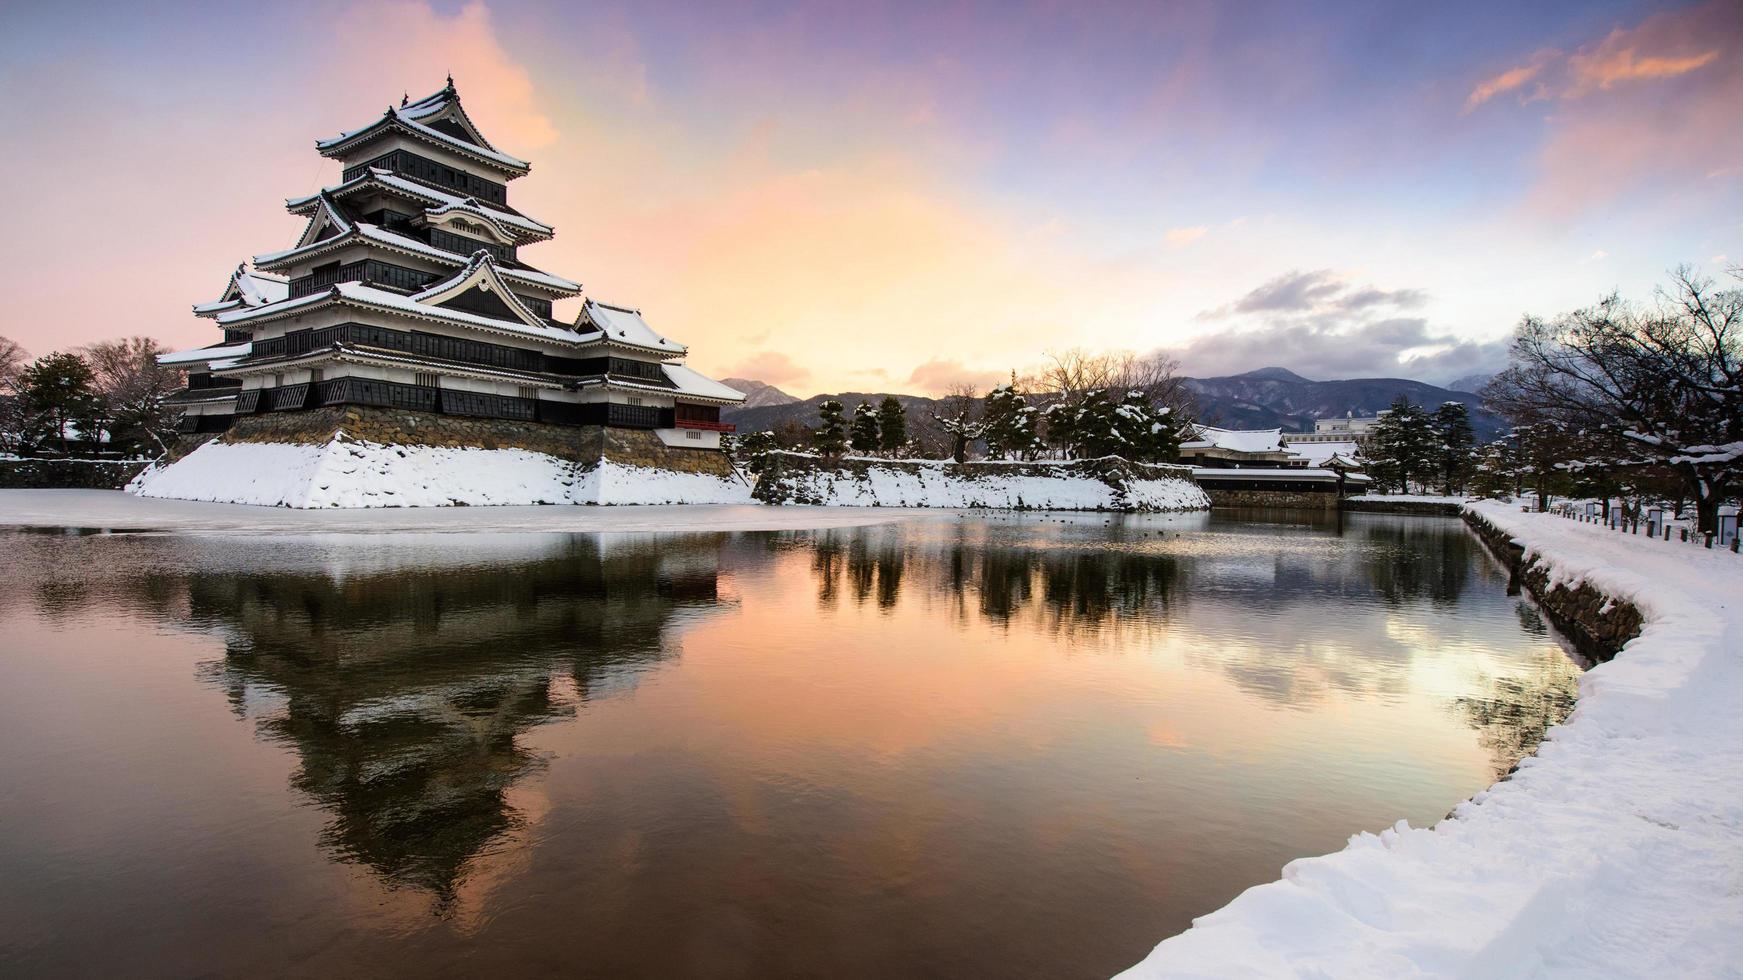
point(586, 444)
point(1111, 483)
point(640, 447)
point(1292, 499)
point(1435, 507)
point(1596, 623)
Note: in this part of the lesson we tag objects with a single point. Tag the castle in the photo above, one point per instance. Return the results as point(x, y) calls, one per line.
point(405, 319)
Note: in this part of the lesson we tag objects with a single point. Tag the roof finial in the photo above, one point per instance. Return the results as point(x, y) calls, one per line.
point(404, 98)
point(450, 79)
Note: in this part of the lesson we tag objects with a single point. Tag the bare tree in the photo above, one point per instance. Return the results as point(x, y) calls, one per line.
point(133, 387)
point(958, 414)
point(11, 361)
point(1648, 387)
point(12, 409)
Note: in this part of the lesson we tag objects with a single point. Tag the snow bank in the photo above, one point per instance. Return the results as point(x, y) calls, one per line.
point(1101, 484)
point(349, 473)
point(1616, 851)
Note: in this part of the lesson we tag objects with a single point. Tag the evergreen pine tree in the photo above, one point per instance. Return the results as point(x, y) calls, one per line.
point(1452, 423)
point(1010, 424)
point(831, 435)
point(1495, 473)
point(1097, 426)
point(1145, 429)
point(754, 448)
point(864, 433)
point(1404, 446)
point(1062, 419)
point(57, 393)
point(892, 425)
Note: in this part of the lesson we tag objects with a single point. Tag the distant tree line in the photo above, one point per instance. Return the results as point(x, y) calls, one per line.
point(108, 396)
point(1625, 400)
point(1079, 405)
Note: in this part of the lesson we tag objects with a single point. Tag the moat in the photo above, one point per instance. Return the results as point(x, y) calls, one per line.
point(1014, 745)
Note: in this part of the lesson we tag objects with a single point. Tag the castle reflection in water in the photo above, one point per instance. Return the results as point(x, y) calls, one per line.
point(405, 685)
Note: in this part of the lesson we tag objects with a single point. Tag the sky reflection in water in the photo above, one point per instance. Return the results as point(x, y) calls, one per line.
point(1021, 745)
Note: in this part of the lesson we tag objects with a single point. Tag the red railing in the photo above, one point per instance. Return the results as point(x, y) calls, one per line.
point(710, 426)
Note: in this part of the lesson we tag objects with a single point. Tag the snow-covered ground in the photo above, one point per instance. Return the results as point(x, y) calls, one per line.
point(348, 473)
point(1617, 851)
point(943, 483)
point(115, 510)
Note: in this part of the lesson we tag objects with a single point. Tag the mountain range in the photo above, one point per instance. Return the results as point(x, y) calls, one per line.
point(758, 394)
point(1268, 398)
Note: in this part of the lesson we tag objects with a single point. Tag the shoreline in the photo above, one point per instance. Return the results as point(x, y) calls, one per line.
point(117, 510)
point(1611, 851)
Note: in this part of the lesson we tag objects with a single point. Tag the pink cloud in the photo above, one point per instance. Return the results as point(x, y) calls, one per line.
point(937, 376)
point(770, 367)
point(1661, 47)
point(1652, 102)
point(1510, 80)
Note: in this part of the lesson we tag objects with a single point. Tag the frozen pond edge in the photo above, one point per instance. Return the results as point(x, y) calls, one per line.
point(1614, 851)
point(118, 510)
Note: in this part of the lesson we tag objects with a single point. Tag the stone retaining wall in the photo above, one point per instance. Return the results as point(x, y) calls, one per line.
point(1108, 483)
point(1291, 499)
point(1596, 623)
point(586, 444)
point(1435, 507)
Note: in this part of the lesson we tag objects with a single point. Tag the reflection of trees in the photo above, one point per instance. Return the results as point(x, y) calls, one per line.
point(405, 691)
point(1512, 714)
point(1409, 559)
point(1083, 584)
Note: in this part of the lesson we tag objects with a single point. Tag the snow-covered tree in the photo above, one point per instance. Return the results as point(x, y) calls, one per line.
point(863, 434)
point(1009, 424)
point(831, 435)
point(959, 416)
point(1103, 423)
point(1403, 446)
point(1667, 380)
point(1147, 430)
point(892, 425)
point(754, 448)
point(1453, 456)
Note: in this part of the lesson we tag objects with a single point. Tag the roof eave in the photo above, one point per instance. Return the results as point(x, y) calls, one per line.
point(344, 145)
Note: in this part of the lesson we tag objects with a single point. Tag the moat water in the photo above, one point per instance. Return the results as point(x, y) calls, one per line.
point(999, 745)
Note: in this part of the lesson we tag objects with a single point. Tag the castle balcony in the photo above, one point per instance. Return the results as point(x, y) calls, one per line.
point(705, 425)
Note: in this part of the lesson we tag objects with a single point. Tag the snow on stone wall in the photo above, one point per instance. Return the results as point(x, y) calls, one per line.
point(351, 473)
point(1098, 484)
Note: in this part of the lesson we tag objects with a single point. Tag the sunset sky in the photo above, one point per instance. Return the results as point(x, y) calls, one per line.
point(872, 197)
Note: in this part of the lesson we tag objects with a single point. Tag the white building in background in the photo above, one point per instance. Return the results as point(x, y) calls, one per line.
point(1351, 428)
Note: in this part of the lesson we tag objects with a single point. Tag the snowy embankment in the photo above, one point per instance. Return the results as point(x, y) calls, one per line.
point(347, 473)
point(1617, 850)
point(1097, 484)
